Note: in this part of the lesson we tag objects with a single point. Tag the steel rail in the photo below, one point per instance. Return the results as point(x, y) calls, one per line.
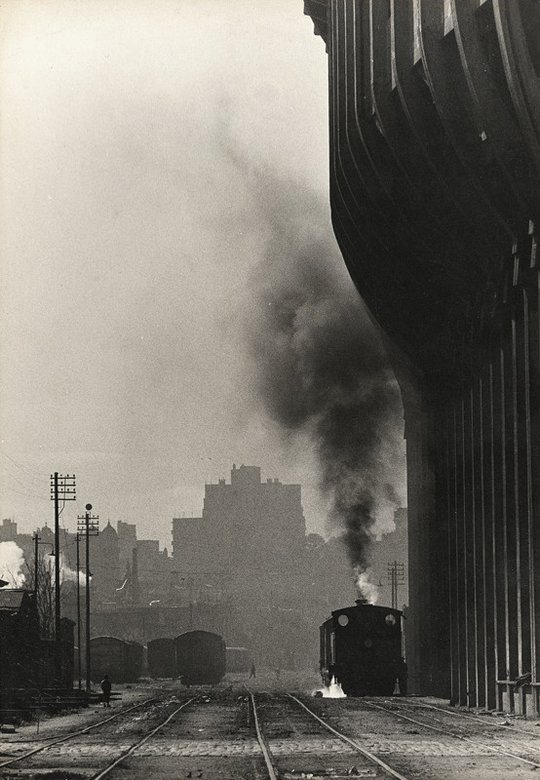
point(469, 715)
point(371, 756)
point(262, 744)
point(133, 748)
point(446, 732)
point(74, 733)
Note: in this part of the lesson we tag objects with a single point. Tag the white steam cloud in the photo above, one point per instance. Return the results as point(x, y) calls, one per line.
point(364, 585)
point(69, 575)
point(11, 564)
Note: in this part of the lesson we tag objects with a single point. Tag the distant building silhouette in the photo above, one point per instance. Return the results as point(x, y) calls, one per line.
point(127, 540)
point(245, 525)
point(8, 530)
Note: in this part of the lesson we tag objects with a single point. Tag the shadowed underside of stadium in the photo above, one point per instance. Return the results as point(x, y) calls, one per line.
point(435, 190)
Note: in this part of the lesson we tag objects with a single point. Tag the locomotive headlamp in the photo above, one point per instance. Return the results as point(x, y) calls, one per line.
point(390, 620)
point(343, 620)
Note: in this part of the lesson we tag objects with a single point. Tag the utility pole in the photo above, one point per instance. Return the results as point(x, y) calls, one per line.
point(78, 539)
point(396, 574)
point(90, 525)
point(62, 490)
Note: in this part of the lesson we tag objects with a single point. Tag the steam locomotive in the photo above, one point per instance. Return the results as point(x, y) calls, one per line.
point(360, 647)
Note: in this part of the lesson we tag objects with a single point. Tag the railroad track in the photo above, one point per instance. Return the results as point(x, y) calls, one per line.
point(481, 749)
point(328, 763)
point(53, 742)
point(463, 715)
point(104, 772)
point(478, 743)
point(279, 737)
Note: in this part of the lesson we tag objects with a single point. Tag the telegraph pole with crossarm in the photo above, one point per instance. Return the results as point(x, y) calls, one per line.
point(89, 525)
point(396, 575)
point(62, 490)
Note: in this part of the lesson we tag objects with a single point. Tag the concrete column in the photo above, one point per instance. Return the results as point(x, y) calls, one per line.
point(451, 518)
point(436, 491)
point(499, 514)
point(522, 473)
point(533, 513)
point(461, 560)
point(469, 548)
point(480, 540)
point(509, 476)
point(490, 623)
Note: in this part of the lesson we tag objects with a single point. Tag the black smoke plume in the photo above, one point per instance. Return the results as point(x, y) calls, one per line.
point(320, 366)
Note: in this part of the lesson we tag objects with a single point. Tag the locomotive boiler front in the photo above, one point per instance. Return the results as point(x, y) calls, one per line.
point(361, 649)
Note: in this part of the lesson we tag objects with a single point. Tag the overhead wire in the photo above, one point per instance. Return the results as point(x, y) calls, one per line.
point(17, 477)
point(27, 469)
point(27, 493)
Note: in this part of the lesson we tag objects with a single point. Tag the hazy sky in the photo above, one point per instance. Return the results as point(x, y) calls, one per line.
point(128, 230)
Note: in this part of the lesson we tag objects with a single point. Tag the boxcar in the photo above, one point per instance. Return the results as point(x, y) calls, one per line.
point(238, 659)
point(200, 657)
point(120, 659)
point(161, 658)
point(361, 649)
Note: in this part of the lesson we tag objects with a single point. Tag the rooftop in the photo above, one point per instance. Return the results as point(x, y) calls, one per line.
point(12, 598)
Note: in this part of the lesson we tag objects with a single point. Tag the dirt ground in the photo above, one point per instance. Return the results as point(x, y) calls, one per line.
point(43, 726)
point(213, 738)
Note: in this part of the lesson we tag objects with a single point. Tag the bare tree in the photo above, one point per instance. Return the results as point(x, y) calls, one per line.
point(45, 592)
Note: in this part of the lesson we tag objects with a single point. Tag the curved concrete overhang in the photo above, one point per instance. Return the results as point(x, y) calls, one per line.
point(435, 165)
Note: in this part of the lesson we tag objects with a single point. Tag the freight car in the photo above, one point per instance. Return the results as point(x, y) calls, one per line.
point(120, 659)
point(238, 659)
point(161, 658)
point(200, 657)
point(361, 649)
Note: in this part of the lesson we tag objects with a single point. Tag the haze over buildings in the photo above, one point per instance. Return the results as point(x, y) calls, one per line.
point(245, 568)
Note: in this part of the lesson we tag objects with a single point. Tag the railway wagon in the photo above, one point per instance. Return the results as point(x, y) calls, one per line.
point(360, 647)
point(237, 659)
point(120, 659)
point(161, 657)
point(200, 657)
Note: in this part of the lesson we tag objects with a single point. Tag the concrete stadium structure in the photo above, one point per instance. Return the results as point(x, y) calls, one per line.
point(435, 195)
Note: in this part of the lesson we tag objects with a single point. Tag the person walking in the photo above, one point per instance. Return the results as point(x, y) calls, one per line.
point(106, 691)
point(252, 671)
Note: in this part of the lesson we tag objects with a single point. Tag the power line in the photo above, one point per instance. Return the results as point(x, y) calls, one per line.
point(19, 476)
point(20, 493)
point(29, 471)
